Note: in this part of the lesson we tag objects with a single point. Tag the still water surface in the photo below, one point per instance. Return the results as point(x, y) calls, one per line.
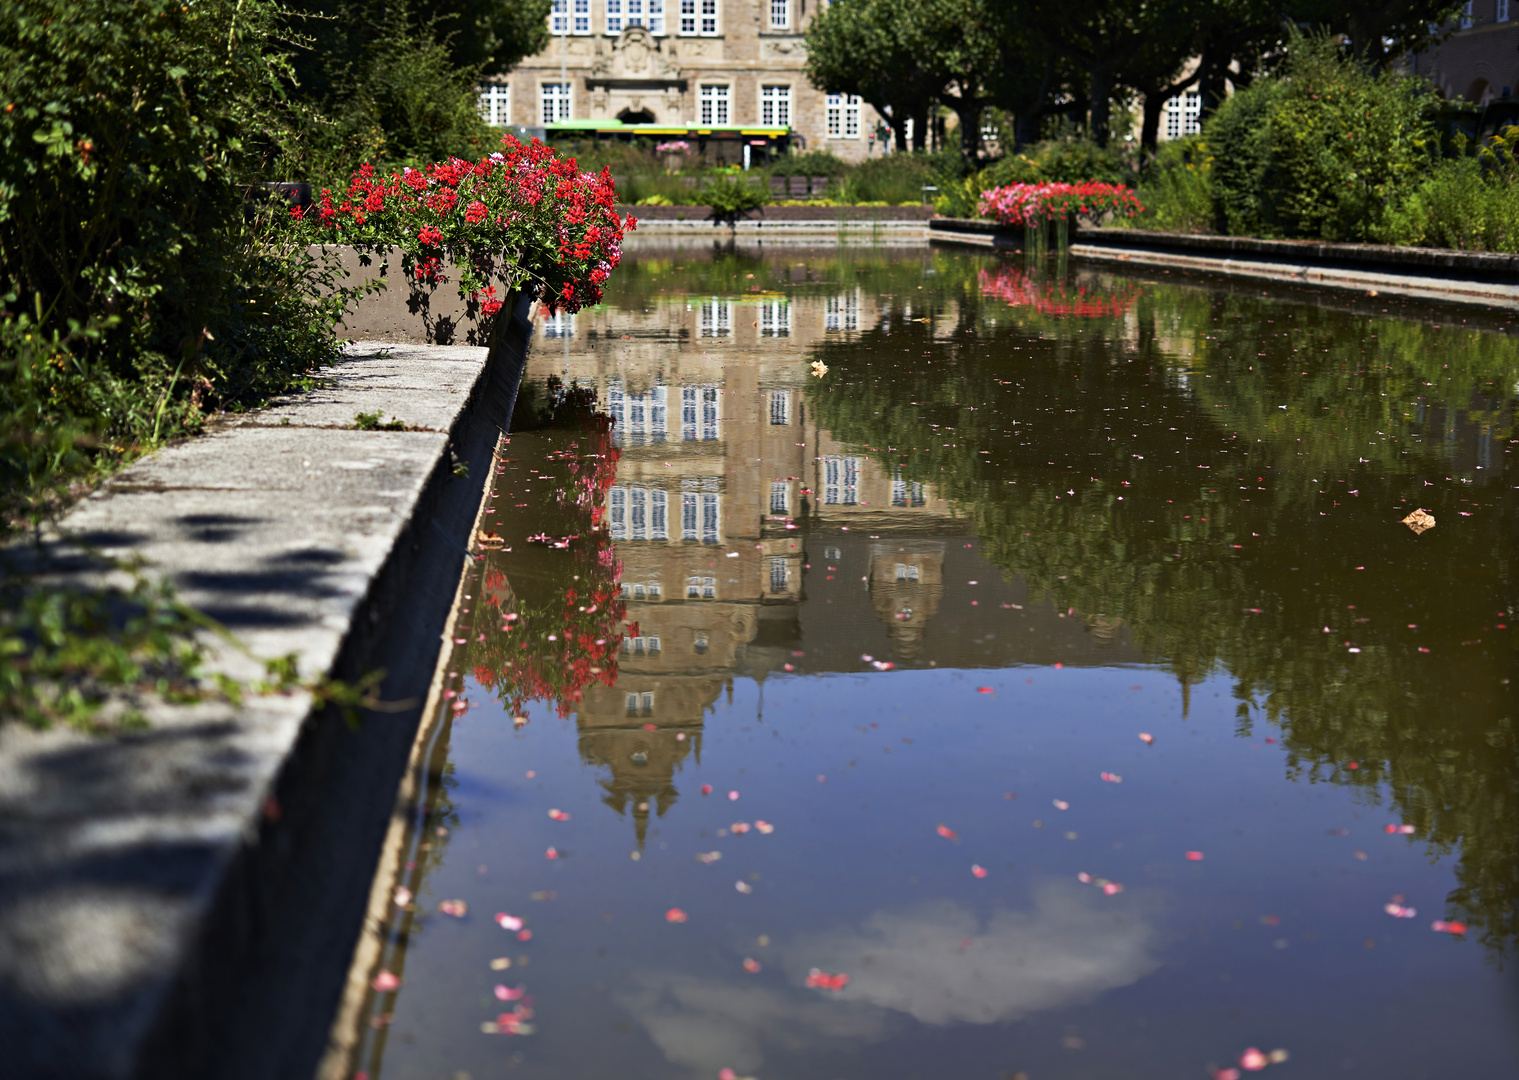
point(1056, 667)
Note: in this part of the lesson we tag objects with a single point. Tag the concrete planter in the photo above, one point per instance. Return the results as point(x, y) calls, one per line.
point(411, 312)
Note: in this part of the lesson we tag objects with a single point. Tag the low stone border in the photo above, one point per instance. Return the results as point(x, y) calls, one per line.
point(1426, 273)
point(183, 901)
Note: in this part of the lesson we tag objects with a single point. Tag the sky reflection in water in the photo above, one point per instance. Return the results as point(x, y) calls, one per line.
point(1023, 519)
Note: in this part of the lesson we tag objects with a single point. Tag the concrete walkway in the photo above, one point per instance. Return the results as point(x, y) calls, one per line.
point(182, 901)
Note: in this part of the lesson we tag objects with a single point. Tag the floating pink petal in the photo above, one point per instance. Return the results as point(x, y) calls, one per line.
point(1195, 856)
point(507, 993)
point(983, 689)
point(1444, 927)
point(1398, 911)
point(559, 815)
point(1224, 1074)
point(978, 870)
point(385, 981)
point(726, 1074)
point(403, 896)
point(739, 828)
point(1061, 804)
point(706, 789)
point(1252, 1060)
point(675, 915)
point(764, 827)
point(1395, 830)
point(551, 853)
point(1112, 778)
point(508, 922)
point(751, 965)
point(946, 832)
point(457, 908)
point(1146, 738)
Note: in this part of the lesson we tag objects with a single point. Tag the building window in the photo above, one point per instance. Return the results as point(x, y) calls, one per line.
point(688, 516)
point(701, 588)
point(775, 318)
point(843, 111)
point(641, 704)
point(775, 106)
point(699, 642)
point(698, 17)
point(714, 105)
point(1183, 113)
point(638, 513)
point(640, 646)
point(637, 419)
point(780, 407)
point(495, 104)
point(698, 413)
point(833, 554)
point(777, 575)
point(709, 531)
point(898, 490)
point(716, 316)
point(646, 13)
point(780, 496)
point(1466, 15)
point(907, 572)
point(570, 17)
point(1501, 14)
point(780, 14)
point(561, 324)
point(841, 480)
point(918, 498)
point(841, 312)
point(556, 102)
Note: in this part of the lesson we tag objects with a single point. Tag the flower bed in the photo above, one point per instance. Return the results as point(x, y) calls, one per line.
point(523, 213)
point(1032, 205)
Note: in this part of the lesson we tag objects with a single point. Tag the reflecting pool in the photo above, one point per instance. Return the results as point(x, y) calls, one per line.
point(923, 664)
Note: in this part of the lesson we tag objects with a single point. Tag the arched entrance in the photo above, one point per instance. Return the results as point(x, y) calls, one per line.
point(1477, 93)
point(636, 116)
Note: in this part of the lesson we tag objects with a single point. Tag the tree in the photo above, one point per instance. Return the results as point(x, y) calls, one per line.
point(858, 47)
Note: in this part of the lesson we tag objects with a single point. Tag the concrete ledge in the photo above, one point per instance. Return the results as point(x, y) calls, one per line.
point(1462, 277)
point(183, 901)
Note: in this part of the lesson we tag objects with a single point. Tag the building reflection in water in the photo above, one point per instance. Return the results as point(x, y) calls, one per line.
point(722, 475)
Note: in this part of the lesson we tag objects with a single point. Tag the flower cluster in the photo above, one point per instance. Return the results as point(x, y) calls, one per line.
point(1033, 204)
point(524, 213)
point(676, 146)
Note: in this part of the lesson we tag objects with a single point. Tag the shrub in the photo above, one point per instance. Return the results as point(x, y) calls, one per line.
point(1063, 161)
point(811, 163)
point(1033, 204)
point(730, 196)
point(1456, 206)
point(1322, 151)
point(137, 291)
point(892, 178)
point(1176, 189)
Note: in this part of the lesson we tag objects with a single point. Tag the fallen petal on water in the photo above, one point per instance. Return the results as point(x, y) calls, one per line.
point(457, 908)
point(978, 870)
point(675, 915)
point(385, 981)
point(1252, 1060)
point(946, 832)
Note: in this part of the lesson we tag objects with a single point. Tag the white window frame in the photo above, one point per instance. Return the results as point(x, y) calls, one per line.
point(1183, 114)
point(715, 107)
point(650, 14)
point(780, 14)
point(496, 104)
point(1467, 17)
point(699, 18)
point(779, 572)
point(556, 95)
point(843, 115)
point(570, 17)
point(775, 318)
point(581, 10)
point(842, 312)
point(780, 497)
point(716, 318)
point(1501, 13)
point(775, 106)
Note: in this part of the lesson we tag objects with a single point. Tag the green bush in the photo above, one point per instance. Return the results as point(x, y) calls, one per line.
point(1176, 188)
point(137, 291)
point(1063, 160)
point(891, 179)
point(811, 163)
point(730, 197)
point(1322, 151)
point(1457, 206)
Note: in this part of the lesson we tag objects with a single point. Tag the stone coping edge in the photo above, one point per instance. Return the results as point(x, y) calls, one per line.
point(1481, 281)
point(235, 880)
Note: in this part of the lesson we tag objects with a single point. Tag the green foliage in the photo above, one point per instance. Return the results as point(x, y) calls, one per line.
point(810, 163)
point(1176, 188)
point(892, 179)
point(389, 93)
point(370, 421)
point(729, 197)
point(1321, 152)
point(1456, 206)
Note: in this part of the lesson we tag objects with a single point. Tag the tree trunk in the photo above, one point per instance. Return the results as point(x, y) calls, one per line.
point(1149, 130)
point(1026, 126)
point(899, 132)
point(968, 110)
point(920, 129)
point(1102, 105)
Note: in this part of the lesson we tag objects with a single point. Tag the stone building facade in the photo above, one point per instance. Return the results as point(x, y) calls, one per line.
point(682, 64)
point(1479, 61)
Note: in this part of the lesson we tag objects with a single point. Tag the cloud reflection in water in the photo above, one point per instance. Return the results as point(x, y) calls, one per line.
point(936, 962)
